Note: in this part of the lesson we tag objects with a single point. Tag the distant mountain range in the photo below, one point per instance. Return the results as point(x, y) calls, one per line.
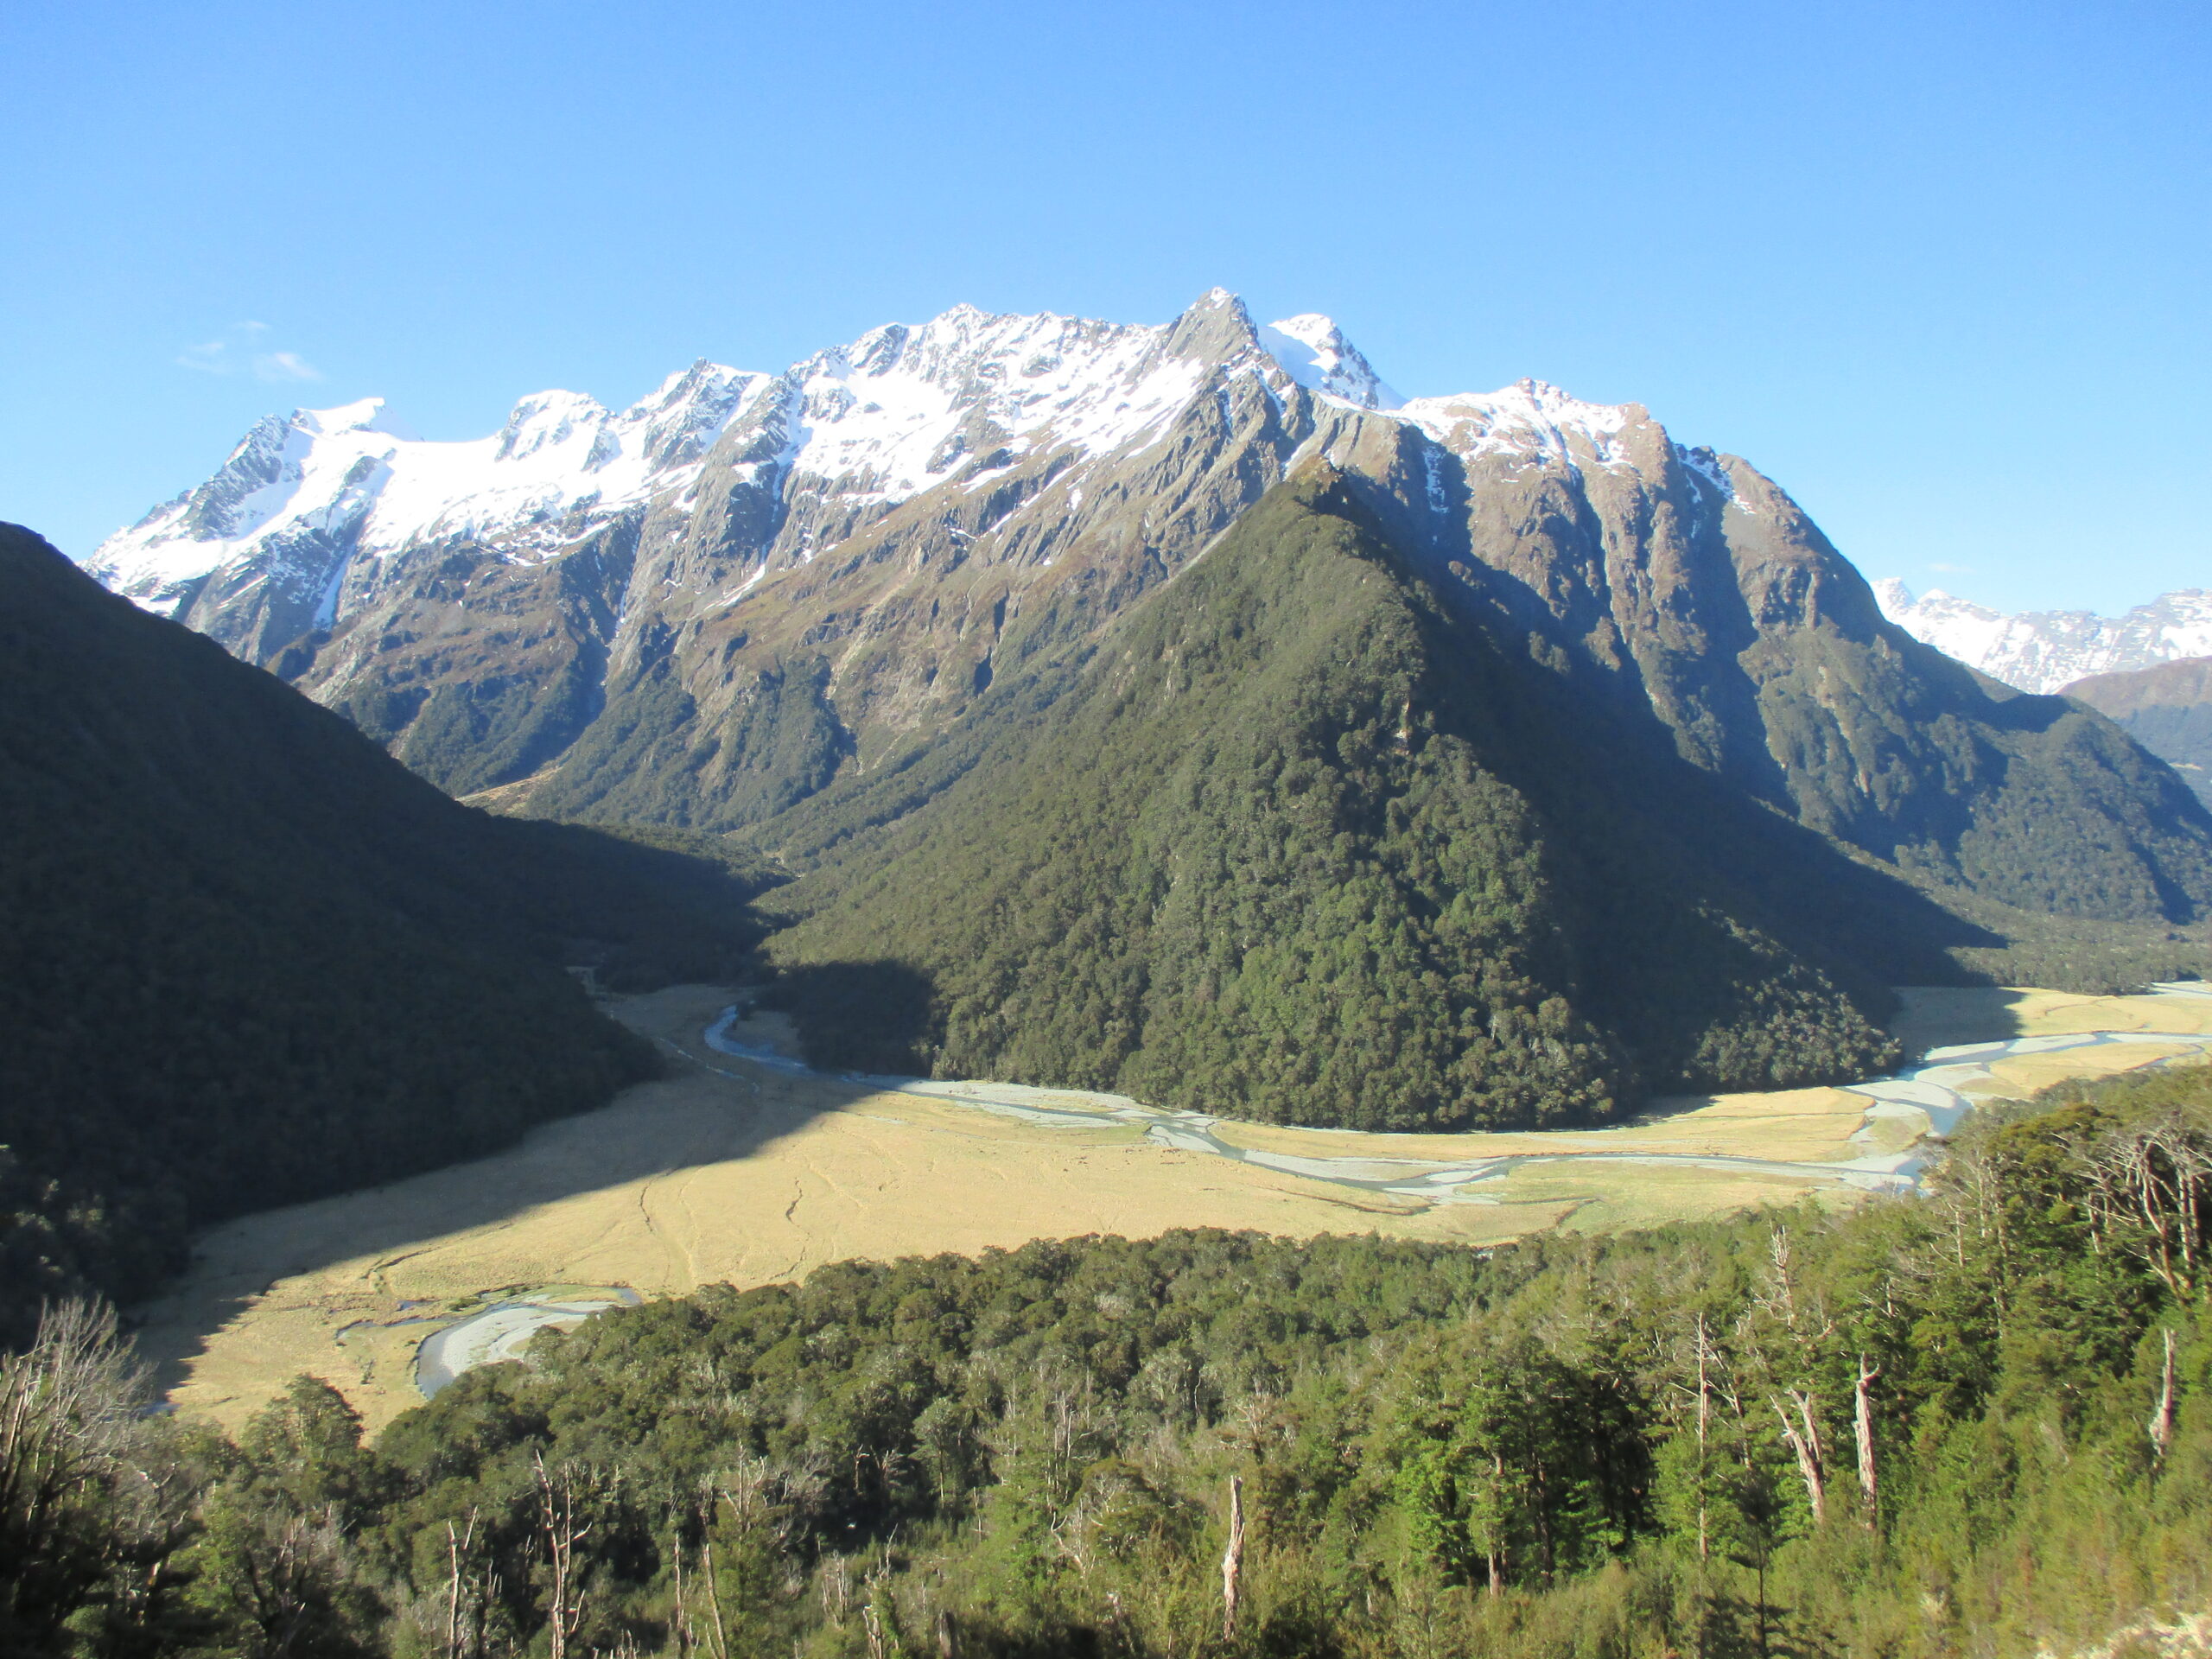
point(1609, 735)
point(2048, 651)
point(2150, 669)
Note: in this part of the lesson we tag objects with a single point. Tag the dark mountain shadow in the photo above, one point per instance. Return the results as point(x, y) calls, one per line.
point(860, 1016)
point(708, 1108)
point(250, 959)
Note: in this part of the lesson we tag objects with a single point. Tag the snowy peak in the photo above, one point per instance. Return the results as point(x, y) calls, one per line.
point(2046, 650)
point(1530, 420)
point(1313, 351)
point(328, 483)
point(368, 415)
point(904, 408)
point(546, 418)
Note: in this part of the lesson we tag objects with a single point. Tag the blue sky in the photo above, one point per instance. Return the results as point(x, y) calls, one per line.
point(1938, 270)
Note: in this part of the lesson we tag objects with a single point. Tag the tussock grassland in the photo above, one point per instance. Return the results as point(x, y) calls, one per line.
point(728, 1171)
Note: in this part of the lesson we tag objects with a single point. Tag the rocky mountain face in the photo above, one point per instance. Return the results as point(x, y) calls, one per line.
point(706, 609)
point(2048, 651)
point(2167, 709)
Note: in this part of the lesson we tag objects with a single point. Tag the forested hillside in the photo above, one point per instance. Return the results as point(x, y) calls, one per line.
point(249, 959)
point(1292, 844)
point(1975, 1422)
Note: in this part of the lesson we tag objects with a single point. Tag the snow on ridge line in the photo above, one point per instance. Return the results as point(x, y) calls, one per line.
point(893, 413)
point(1528, 415)
point(354, 471)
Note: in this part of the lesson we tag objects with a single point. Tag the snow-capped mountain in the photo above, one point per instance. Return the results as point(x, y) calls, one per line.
point(747, 587)
point(898, 411)
point(2046, 650)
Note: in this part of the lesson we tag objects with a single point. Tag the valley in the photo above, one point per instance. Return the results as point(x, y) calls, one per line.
point(747, 1169)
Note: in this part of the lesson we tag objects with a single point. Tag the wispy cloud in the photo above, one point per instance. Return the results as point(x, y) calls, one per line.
point(238, 352)
point(285, 365)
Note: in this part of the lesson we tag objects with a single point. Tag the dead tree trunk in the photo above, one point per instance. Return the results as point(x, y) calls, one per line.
point(558, 1526)
point(1862, 1423)
point(457, 1545)
point(2161, 1425)
point(1494, 1553)
point(1811, 1462)
point(1704, 1424)
point(1232, 1559)
point(715, 1599)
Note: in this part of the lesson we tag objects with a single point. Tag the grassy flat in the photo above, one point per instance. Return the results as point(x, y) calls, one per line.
point(732, 1171)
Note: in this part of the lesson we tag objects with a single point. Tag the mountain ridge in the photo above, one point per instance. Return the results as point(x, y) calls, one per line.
point(1320, 839)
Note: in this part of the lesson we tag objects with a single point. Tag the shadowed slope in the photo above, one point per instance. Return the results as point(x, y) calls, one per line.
point(2167, 709)
point(249, 958)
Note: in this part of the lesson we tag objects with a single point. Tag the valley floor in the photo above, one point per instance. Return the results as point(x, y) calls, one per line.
point(751, 1172)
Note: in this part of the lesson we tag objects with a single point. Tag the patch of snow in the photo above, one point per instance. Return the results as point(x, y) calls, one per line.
point(353, 474)
point(1313, 351)
point(1530, 420)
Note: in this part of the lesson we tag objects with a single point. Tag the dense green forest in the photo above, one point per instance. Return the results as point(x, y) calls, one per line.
point(248, 958)
point(1967, 1423)
point(1290, 842)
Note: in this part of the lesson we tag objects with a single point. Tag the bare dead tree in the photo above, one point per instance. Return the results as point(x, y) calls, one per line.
point(1494, 1553)
point(68, 1408)
point(680, 1625)
point(1862, 1423)
point(1704, 1432)
point(2161, 1425)
point(1805, 1442)
point(715, 1600)
point(458, 1545)
point(558, 1526)
point(1232, 1559)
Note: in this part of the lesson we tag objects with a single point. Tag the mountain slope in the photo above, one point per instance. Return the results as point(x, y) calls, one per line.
point(1293, 843)
point(2167, 709)
point(250, 959)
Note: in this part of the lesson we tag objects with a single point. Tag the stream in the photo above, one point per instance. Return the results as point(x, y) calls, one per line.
point(1924, 1099)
